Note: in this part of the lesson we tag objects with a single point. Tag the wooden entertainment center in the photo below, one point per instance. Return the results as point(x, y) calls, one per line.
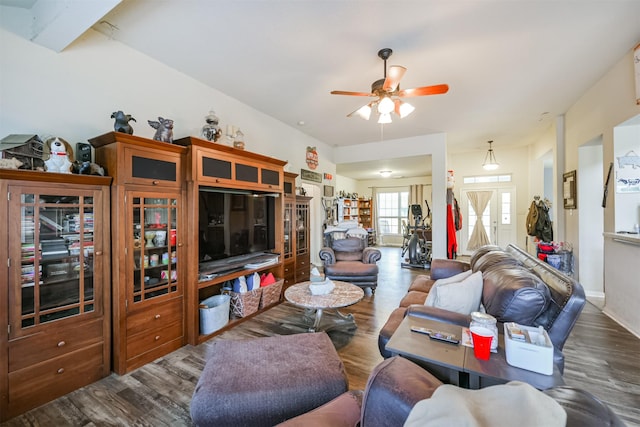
point(141, 262)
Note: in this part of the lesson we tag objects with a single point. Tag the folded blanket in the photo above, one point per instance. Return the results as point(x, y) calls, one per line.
point(512, 404)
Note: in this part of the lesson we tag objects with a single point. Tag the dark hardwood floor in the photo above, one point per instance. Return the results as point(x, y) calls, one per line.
point(601, 357)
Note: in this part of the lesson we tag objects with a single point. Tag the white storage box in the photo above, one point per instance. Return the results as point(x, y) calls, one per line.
point(214, 313)
point(534, 353)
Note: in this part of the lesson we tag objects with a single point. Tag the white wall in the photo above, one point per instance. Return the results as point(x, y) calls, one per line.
point(590, 269)
point(72, 94)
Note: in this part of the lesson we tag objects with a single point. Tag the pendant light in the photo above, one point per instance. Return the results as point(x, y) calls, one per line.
point(490, 162)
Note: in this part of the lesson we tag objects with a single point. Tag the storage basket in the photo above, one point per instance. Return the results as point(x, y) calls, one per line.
point(245, 303)
point(214, 313)
point(271, 294)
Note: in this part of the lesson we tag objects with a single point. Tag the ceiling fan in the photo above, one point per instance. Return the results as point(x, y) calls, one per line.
point(388, 93)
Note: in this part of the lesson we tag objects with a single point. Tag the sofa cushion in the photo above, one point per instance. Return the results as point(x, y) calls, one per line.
point(413, 297)
point(349, 249)
point(422, 283)
point(460, 296)
point(514, 294)
point(495, 259)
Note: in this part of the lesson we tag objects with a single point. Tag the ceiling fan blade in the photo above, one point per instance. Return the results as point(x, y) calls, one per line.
point(425, 90)
point(342, 92)
point(394, 75)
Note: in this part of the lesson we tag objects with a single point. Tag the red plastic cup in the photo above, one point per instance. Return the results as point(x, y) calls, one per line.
point(172, 237)
point(482, 338)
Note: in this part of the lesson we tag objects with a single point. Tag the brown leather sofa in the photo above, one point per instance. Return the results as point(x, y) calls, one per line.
point(397, 384)
point(349, 260)
point(517, 287)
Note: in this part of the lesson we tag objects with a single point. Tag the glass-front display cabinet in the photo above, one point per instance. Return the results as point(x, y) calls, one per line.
point(57, 258)
point(302, 246)
point(153, 237)
point(56, 291)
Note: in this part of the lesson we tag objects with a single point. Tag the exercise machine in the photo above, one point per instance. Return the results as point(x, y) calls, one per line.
point(416, 242)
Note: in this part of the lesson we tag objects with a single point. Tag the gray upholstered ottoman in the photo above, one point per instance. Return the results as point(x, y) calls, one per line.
point(265, 381)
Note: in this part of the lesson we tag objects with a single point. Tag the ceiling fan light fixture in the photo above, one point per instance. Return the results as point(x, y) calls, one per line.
point(364, 112)
point(384, 118)
point(490, 162)
point(403, 109)
point(386, 105)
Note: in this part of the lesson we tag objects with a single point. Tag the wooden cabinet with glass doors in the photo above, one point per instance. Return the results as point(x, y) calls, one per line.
point(147, 251)
point(289, 212)
point(302, 245)
point(56, 243)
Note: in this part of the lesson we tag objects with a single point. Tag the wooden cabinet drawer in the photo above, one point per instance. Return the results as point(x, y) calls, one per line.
point(302, 275)
point(302, 262)
point(152, 168)
point(145, 341)
point(155, 316)
point(49, 344)
point(40, 383)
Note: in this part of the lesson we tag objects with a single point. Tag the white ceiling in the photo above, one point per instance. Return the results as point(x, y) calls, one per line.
point(512, 65)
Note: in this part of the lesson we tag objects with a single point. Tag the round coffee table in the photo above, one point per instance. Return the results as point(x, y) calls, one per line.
point(343, 295)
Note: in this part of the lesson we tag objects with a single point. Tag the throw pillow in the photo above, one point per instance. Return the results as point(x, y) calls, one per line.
point(460, 297)
point(431, 296)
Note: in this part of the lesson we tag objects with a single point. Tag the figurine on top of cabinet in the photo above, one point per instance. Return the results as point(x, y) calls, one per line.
point(87, 168)
point(60, 155)
point(211, 131)
point(122, 122)
point(164, 129)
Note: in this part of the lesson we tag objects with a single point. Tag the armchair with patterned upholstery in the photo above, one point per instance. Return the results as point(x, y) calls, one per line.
point(350, 260)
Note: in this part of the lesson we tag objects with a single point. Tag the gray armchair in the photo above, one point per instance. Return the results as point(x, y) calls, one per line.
point(349, 260)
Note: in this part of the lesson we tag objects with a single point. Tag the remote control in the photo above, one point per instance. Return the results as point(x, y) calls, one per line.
point(444, 337)
point(421, 330)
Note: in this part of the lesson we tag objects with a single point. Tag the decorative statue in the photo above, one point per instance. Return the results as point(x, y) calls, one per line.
point(164, 129)
point(122, 122)
point(87, 168)
point(60, 155)
point(211, 131)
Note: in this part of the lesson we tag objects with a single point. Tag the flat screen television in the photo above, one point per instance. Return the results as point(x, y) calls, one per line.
point(235, 228)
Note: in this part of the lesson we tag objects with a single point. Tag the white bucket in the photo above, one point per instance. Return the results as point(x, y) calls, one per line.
point(215, 315)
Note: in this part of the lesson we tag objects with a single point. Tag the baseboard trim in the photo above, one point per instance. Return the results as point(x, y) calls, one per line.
point(619, 322)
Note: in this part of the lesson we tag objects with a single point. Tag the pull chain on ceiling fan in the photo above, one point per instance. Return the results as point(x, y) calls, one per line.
point(387, 92)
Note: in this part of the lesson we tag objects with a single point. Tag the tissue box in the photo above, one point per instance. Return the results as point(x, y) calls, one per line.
point(527, 355)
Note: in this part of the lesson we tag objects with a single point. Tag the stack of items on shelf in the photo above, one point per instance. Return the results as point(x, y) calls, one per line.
point(76, 225)
point(557, 254)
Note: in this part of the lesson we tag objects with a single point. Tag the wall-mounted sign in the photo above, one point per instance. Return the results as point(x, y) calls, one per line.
point(312, 158)
point(310, 176)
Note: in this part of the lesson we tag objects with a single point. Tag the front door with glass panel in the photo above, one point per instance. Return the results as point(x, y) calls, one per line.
point(498, 218)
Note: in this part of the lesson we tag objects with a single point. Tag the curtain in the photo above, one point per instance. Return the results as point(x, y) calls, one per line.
point(479, 201)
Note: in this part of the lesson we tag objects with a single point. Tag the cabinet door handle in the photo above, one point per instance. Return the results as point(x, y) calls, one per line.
point(157, 337)
point(157, 316)
point(180, 245)
point(98, 253)
point(155, 182)
point(61, 371)
point(61, 344)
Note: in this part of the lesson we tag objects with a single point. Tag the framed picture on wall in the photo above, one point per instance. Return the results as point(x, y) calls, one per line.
point(569, 190)
point(328, 190)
